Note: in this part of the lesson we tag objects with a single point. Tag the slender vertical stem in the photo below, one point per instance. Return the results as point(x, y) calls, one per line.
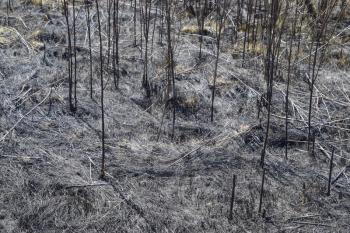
point(154, 28)
point(255, 27)
point(239, 17)
point(232, 197)
point(88, 20)
point(273, 47)
point(311, 86)
point(109, 3)
point(214, 81)
point(269, 78)
point(134, 27)
point(171, 63)
point(262, 190)
point(330, 173)
point(70, 60)
point(161, 23)
point(141, 28)
point(115, 51)
point(288, 79)
point(250, 7)
point(244, 41)
point(8, 6)
point(219, 26)
point(102, 176)
point(75, 57)
point(117, 42)
point(145, 25)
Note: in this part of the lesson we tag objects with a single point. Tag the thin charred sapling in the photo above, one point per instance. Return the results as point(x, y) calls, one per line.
point(290, 52)
point(116, 73)
point(316, 55)
point(255, 26)
point(134, 23)
point(102, 176)
point(154, 27)
point(273, 43)
point(239, 16)
point(141, 28)
point(8, 9)
point(330, 173)
point(311, 8)
point(280, 28)
point(232, 197)
point(9, 5)
point(201, 6)
point(263, 20)
point(109, 9)
point(160, 33)
point(75, 55)
point(70, 59)
point(221, 6)
point(249, 23)
point(262, 190)
point(88, 21)
point(259, 23)
point(245, 34)
point(146, 18)
point(299, 30)
point(171, 65)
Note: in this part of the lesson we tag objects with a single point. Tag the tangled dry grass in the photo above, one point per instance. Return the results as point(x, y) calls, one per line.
point(50, 158)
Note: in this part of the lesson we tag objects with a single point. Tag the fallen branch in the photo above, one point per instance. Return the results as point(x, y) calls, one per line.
point(324, 151)
point(312, 223)
point(18, 157)
point(340, 174)
point(86, 185)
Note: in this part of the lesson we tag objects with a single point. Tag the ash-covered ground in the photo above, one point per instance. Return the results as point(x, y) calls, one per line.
point(50, 158)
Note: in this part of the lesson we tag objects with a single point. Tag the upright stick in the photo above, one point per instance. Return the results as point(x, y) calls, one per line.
point(330, 173)
point(262, 190)
point(102, 176)
point(232, 197)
